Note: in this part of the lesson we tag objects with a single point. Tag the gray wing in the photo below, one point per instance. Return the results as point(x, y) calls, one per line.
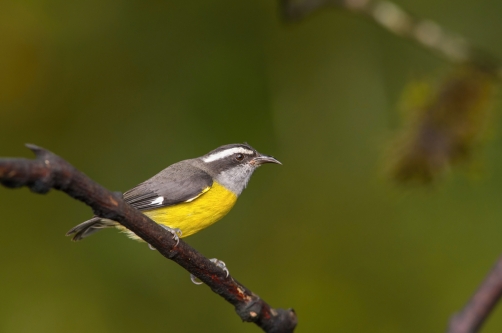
point(177, 183)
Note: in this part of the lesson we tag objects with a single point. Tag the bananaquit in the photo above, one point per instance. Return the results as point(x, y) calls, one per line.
point(190, 195)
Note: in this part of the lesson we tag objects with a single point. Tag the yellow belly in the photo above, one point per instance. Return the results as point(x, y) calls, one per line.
point(191, 217)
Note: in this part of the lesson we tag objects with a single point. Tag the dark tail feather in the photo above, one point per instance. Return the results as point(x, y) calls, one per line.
point(89, 227)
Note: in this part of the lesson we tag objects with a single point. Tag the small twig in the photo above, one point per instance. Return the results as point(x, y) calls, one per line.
point(481, 304)
point(397, 21)
point(51, 171)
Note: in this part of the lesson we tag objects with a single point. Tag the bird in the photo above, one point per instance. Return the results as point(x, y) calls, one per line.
point(189, 195)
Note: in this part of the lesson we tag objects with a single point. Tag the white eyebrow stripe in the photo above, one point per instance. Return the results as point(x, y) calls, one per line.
point(227, 152)
point(158, 201)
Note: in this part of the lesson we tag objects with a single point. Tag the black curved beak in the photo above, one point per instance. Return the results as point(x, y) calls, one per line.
point(262, 159)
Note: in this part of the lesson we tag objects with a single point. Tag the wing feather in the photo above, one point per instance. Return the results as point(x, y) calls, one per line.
point(177, 183)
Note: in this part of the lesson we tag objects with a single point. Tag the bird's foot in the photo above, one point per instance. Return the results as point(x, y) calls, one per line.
point(175, 231)
point(218, 263)
point(176, 235)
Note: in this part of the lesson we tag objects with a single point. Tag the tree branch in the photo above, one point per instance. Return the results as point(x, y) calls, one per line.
point(51, 171)
point(481, 304)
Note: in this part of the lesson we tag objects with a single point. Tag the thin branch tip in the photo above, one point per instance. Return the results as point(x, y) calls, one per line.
point(37, 150)
point(32, 146)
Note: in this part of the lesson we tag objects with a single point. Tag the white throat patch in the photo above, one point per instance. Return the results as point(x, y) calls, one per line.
point(236, 179)
point(225, 153)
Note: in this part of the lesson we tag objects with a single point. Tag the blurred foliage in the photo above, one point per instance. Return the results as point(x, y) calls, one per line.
point(121, 89)
point(443, 124)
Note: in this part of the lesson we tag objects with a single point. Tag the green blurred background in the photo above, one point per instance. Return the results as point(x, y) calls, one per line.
point(122, 89)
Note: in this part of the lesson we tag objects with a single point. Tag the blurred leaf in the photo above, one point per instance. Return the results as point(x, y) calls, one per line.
point(443, 124)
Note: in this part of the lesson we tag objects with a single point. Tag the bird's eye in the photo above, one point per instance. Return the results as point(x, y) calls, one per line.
point(239, 157)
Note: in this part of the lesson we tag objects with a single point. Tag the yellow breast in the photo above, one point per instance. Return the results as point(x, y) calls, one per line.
point(191, 217)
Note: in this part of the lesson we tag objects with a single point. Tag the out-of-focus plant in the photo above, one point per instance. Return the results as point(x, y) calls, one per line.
point(442, 124)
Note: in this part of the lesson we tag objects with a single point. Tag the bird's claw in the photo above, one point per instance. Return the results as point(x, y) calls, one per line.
point(194, 280)
point(176, 232)
point(220, 264)
point(215, 261)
